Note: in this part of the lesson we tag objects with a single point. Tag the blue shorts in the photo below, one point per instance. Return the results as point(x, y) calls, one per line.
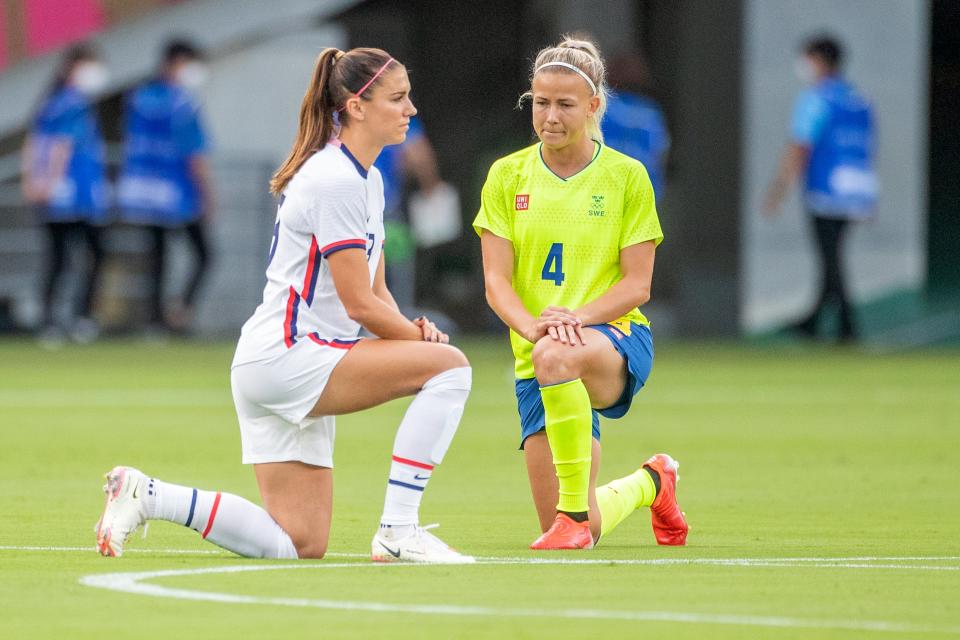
point(636, 349)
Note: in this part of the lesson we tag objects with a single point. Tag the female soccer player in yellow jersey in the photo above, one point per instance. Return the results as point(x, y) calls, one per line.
point(568, 229)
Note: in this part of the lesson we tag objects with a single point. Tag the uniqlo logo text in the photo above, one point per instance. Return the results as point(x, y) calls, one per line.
point(523, 201)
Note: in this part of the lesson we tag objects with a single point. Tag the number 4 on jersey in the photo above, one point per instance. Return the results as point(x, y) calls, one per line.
point(553, 266)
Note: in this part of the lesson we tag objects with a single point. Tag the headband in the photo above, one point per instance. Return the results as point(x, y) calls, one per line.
point(374, 78)
point(583, 75)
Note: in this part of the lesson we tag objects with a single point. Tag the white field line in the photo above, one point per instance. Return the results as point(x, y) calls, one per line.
point(733, 396)
point(205, 552)
point(851, 562)
point(135, 583)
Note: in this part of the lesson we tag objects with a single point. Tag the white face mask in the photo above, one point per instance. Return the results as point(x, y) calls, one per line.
point(804, 69)
point(90, 78)
point(192, 75)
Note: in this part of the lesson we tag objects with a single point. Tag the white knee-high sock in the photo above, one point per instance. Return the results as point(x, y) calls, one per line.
point(422, 440)
point(228, 521)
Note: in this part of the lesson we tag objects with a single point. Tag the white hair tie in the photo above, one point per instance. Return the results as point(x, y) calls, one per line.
point(566, 65)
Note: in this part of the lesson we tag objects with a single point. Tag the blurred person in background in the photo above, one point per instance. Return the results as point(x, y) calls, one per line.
point(412, 160)
point(832, 146)
point(421, 210)
point(63, 176)
point(634, 123)
point(165, 183)
point(568, 230)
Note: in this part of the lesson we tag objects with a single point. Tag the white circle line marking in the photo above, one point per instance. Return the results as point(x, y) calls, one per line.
point(134, 582)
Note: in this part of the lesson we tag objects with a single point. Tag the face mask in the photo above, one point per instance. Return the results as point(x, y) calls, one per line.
point(90, 78)
point(192, 75)
point(804, 70)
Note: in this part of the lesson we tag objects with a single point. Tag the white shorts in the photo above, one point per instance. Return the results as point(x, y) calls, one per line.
point(273, 398)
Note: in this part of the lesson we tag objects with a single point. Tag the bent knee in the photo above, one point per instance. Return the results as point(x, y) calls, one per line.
point(311, 550)
point(553, 361)
point(453, 358)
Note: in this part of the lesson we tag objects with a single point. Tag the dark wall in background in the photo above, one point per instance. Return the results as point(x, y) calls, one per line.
point(943, 275)
point(467, 67)
point(695, 54)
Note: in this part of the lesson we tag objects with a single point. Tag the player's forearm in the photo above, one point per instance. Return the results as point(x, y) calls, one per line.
point(507, 305)
point(620, 299)
point(387, 297)
point(383, 320)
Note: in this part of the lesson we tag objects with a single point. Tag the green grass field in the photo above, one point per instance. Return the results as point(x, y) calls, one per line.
point(822, 488)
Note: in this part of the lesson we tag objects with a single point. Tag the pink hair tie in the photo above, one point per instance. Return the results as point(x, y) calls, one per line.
point(374, 78)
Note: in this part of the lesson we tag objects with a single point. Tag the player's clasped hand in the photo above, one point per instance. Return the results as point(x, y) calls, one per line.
point(429, 331)
point(563, 325)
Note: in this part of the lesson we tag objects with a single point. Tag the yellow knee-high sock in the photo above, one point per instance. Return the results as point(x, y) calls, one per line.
point(569, 423)
point(619, 498)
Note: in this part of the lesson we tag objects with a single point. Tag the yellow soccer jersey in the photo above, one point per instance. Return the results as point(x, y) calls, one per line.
point(567, 233)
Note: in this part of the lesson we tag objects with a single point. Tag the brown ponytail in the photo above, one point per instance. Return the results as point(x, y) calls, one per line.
point(336, 77)
point(316, 121)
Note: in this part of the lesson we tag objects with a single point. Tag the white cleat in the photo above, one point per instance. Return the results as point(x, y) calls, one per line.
point(124, 511)
point(418, 546)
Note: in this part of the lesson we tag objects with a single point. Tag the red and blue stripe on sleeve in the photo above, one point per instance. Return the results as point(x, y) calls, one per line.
point(352, 243)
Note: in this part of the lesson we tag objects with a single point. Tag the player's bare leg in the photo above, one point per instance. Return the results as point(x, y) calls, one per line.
point(376, 371)
point(299, 497)
point(597, 363)
point(439, 376)
point(227, 520)
point(604, 378)
point(544, 486)
point(574, 377)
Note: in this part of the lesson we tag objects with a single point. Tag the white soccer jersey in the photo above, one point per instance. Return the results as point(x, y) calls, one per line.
point(331, 204)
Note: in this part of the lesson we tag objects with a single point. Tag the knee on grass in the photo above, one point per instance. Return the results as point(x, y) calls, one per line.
point(311, 549)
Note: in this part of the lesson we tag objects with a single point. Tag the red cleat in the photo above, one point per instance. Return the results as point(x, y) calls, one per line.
point(669, 525)
point(565, 533)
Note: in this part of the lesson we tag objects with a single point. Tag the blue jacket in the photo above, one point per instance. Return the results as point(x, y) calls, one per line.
point(635, 125)
point(163, 132)
point(837, 124)
point(82, 193)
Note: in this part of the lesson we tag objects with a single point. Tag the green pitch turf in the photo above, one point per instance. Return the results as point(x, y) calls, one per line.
point(822, 487)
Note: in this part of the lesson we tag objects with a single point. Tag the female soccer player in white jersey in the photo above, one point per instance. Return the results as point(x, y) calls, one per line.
point(299, 361)
point(568, 229)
